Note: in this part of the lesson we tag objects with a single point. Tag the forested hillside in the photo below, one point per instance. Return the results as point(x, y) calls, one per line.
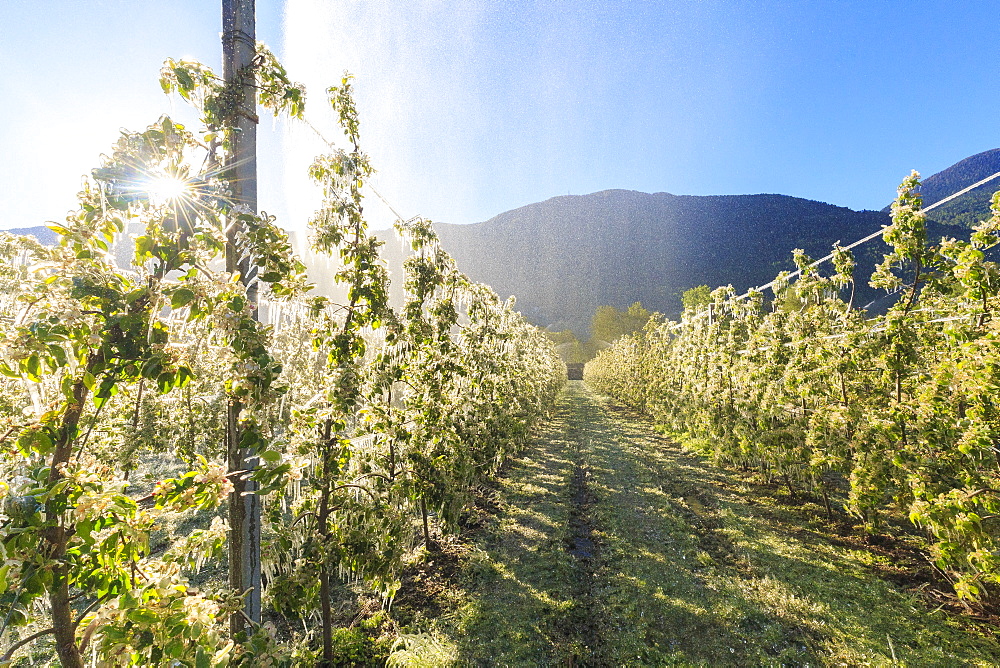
point(563, 257)
point(974, 206)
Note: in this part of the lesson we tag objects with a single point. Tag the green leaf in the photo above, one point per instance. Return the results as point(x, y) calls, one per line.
point(58, 355)
point(251, 440)
point(143, 246)
point(32, 367)
point(165, 381)
point(181, 297)
point(184, 79)
point(142, 616)
point(184, 376)
point(237, 303)
point(83, 529)
point(108, 388)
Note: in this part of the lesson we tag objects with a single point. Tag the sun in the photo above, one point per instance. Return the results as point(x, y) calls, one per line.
point(164, 189)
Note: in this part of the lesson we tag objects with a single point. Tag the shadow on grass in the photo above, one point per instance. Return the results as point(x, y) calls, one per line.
point(688, 568)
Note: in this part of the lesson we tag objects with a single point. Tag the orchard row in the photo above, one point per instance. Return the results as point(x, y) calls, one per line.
point(898, 412)
point(365, 421)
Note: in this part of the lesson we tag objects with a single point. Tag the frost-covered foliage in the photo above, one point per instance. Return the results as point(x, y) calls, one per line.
point(363, 418)
point(902, 407)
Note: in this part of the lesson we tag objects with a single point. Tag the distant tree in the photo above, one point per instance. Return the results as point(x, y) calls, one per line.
point(570, 348)
point(697, 298)
point(563, 337)
point(609, 324)
point(636, 317)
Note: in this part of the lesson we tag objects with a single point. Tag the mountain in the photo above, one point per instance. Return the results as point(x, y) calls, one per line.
point(42, 233)
point(567, 255)
point(974, 206)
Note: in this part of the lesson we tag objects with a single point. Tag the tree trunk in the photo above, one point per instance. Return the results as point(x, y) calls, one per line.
point(423, 514)
point(324, 579)
point(56, 537)
point(62, 616)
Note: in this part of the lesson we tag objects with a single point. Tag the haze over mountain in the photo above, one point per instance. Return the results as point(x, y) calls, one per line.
point(40, 232)
point(566, 256)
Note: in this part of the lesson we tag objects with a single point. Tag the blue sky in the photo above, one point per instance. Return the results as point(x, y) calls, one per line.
point(473, 107)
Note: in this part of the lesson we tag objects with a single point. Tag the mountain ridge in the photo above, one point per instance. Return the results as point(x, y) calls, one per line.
point(972, 207)
point(567, 255)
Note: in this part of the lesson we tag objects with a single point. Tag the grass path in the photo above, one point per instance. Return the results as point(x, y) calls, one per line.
point(608, 546)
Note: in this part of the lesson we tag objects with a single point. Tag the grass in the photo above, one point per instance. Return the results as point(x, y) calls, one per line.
point(606, 545)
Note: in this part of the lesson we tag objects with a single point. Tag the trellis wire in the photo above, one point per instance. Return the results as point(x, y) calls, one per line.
point(829, 257)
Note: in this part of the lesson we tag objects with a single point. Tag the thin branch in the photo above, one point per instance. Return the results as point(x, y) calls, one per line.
point(373, 475)
point(361, 487)
point(86, 437)
point(14, 429)
point(88, 610)
point(30, 571)
point(92, 626)
point(305, 514)
point(21, 643)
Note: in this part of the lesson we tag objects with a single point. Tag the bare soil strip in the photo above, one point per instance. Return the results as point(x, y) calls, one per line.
point(606, 545)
